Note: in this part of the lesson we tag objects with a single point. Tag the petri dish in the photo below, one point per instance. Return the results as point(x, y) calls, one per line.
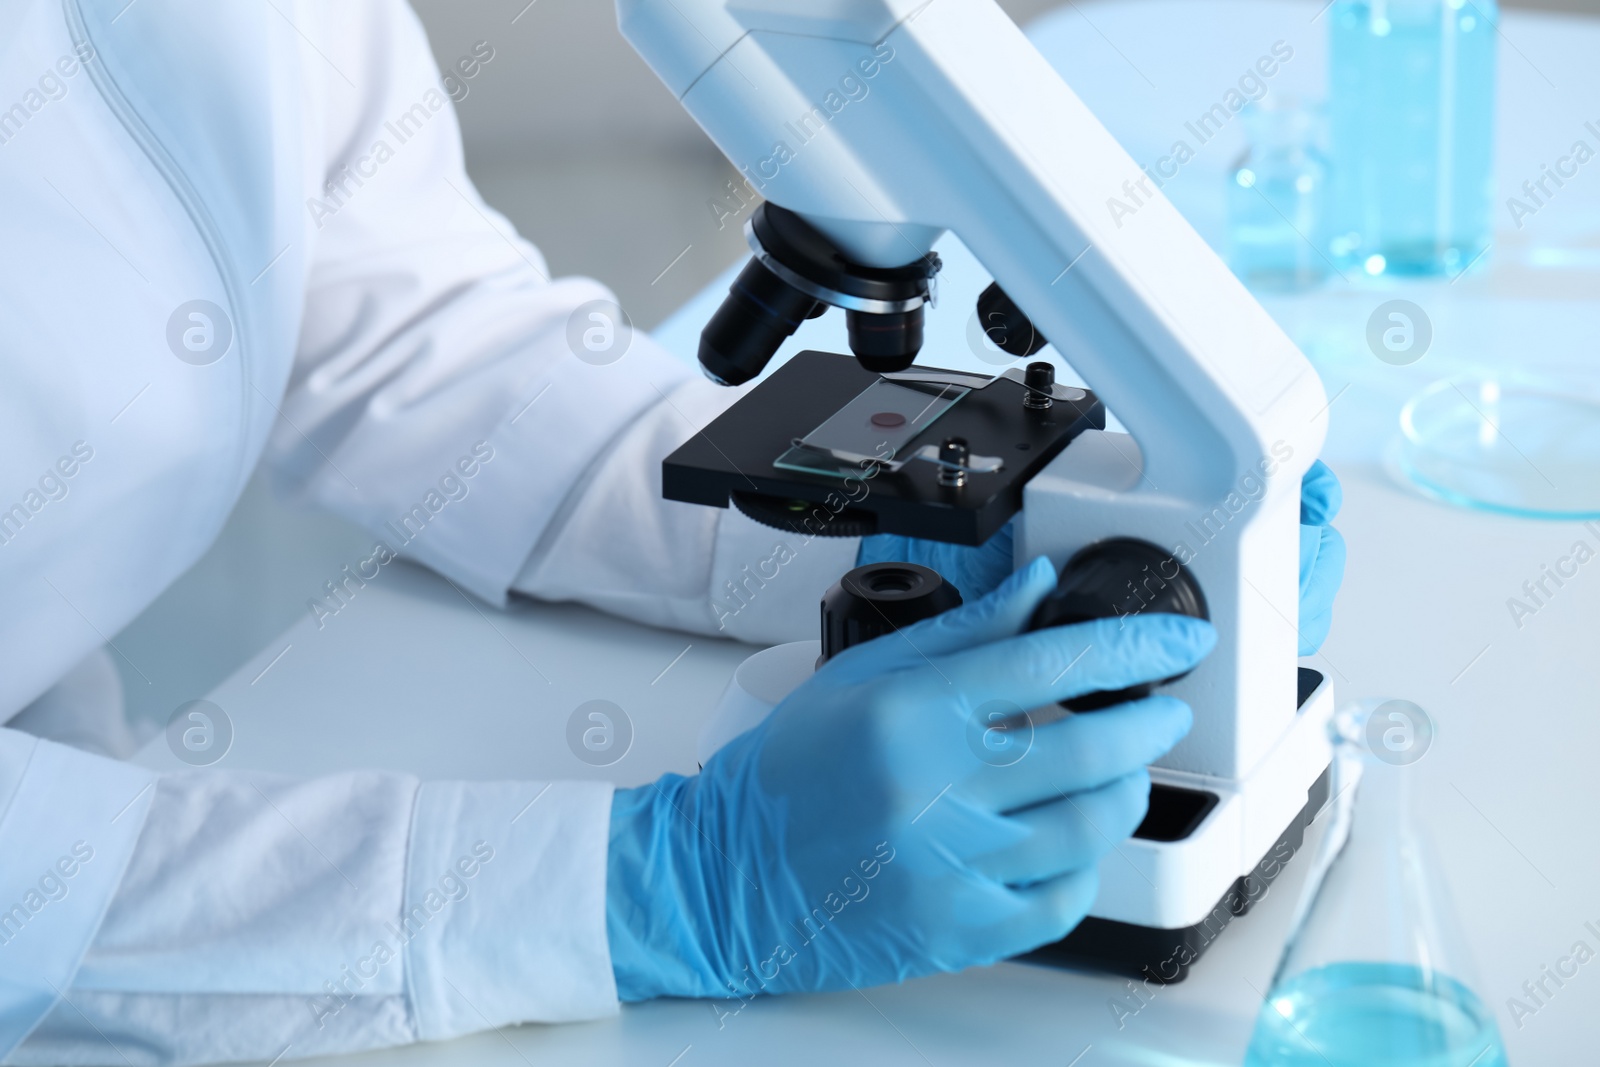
point(1518, 447)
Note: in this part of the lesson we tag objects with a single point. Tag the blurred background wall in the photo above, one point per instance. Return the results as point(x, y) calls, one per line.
point(569, 134)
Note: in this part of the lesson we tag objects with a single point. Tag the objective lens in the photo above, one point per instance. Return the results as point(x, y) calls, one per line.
point(760, 313)
point(885, 343)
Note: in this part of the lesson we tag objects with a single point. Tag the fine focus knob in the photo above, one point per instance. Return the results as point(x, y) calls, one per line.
point(878, 599)
point(1117, 577)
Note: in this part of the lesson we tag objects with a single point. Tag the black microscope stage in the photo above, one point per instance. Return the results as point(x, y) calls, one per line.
point(734, 459)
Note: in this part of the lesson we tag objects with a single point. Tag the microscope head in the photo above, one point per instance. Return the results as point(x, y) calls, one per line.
point(796, 273)
point(823, 236)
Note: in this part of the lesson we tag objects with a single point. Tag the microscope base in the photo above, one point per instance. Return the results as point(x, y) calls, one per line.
point(1165, 956)
point(1182, 863)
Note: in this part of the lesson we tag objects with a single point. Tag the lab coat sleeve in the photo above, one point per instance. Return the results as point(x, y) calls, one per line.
point(709, 570)
point(262, 917)
point(449, 397)
point(68, 825)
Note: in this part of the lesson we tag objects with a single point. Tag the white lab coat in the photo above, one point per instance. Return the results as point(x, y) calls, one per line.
point(297, 164)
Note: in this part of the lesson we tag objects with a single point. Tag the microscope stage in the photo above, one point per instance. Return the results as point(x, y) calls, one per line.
point(737, 457)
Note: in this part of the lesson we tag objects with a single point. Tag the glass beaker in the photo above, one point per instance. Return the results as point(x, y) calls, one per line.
point(1276, 194)
point(1375, 971)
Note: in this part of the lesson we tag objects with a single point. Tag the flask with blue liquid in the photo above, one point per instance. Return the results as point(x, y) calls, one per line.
point(1375, 973)
point(1411, 117)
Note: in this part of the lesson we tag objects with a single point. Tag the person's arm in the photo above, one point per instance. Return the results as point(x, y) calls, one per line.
point(259, 913)
point(436, 343)
point(260, 916)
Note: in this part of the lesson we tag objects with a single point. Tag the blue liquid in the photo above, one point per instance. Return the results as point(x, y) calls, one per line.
point(1374, 1015)
point(1411, 115)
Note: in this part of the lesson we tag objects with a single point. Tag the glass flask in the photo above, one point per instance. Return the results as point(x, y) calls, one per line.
point(1411, 118)
point(1276, 194)
point(1374, 973)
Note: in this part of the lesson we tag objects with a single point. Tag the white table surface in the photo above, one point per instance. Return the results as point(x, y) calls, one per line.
point(414, 677)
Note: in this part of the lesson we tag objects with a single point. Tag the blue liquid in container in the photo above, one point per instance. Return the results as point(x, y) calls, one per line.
point(1411, 116)
point(1374, 1015)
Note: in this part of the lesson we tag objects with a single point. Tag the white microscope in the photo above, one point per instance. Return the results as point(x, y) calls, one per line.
point(967, 129)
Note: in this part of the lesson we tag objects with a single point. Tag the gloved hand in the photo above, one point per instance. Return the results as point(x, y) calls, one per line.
point(878, 825)
point(975, 571)
point(1322, 554)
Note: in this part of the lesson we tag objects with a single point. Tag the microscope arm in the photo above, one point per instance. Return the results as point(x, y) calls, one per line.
point(884, 123)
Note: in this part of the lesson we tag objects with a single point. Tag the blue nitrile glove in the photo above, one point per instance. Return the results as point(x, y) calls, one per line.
point(857, 837)
point(975, 571)
point(1321, 554)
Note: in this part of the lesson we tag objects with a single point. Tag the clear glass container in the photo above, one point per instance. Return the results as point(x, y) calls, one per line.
point(1513, 444)
point(1375, 972)
point(1411, 118)
point(1276, 195)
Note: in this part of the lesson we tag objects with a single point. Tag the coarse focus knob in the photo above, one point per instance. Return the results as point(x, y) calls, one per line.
point(878, 599)
point(1119, 577)
point(1007, 328)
